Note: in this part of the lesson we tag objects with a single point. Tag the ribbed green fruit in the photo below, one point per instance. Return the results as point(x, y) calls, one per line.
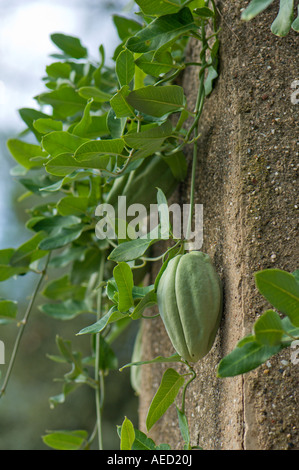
point(189, 298)
point(140, 186)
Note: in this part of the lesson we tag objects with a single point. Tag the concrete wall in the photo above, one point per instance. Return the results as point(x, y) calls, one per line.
point(246, 181)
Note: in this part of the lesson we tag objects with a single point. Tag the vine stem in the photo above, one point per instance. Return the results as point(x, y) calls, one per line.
point(99, 392)
point(194, 375)
point(22, 326)
point(198, 111)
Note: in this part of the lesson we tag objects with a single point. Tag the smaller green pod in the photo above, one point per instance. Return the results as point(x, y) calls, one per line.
point(189, 297)
point(135, 371)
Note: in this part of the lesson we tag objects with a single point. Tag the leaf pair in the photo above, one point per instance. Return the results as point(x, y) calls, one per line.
point(270, 332)
point(18, 261)
point(166, 394)
point(149, 100)
point(134, 439)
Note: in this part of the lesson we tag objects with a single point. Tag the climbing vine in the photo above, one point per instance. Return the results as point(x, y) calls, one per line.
point(114, 132)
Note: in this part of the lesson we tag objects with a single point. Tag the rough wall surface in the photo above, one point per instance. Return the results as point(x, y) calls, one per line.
point(246, 180)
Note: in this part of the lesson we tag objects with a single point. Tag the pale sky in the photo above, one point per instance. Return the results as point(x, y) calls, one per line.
point(25, 45)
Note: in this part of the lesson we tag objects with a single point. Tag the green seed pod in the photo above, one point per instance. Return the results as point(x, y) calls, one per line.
point(189, 297)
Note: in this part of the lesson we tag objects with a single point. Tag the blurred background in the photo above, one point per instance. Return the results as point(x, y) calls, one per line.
point(25, 414)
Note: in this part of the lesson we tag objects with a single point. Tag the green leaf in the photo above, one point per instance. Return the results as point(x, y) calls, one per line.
point(60, 398)
point(95, 93)
point(7, 271)
point(115, 125)
point(159, 7)
point(72, 205)
point(296, 275)
point(139, 292)
point(246, 339)
point(64, 237)
point(245, 358)
point(184, 428)
point(70, 254)
point(108, 360)
point(25, 153)
point(70, 45)
point(127, 435)
point(281, 289)
point(158, 360)
point(99, 148)
point(290, 331)
point(120, 105)
point(212, 75)
point(81, 128)
point(255, 7)
point(60, 142)
point(126, 27)
point(97, 127)
point(28, 251)
point(46, 125)
point(5, 255)
point(62, 289)
point(125, 67)
point(178, 165)
point(283, 22)
point(295, 24)
point(65, 348)
point(111, 289)
point(66, 440)
point(124, 279)
point(8, 309)
point(65, 310)
point(147, 301)
point(155, 64)
point(163, 447)
point(58, 70)
point(162, 32)
point(139, 76)
point(52, 224)
point(29, 115)
point(157, 101)
point(142, 442)
point(35, 184)
point(112, 316)
point(65, 164)
point(98, 326)
point(128, 251)
point(148, 141)
point(165, 396)
point(65, 101)
point(268, 329)
point(213, 68)
point(204, 12)
point(83, 269)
